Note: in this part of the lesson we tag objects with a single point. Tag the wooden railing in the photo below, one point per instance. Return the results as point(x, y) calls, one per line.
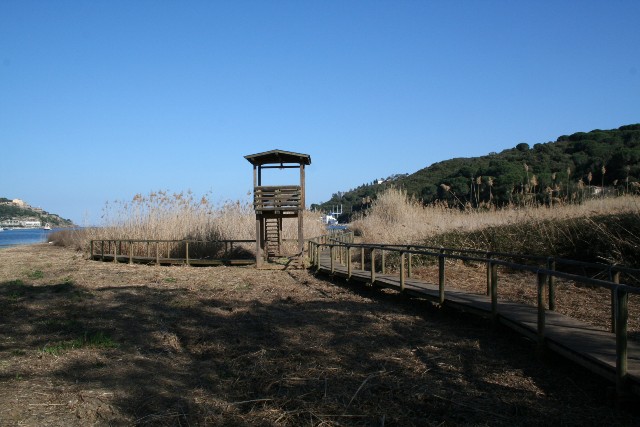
point(278, 198)
point(173, 252)
point(546, 269)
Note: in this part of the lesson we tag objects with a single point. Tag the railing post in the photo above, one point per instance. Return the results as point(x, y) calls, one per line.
point(102, 250)
point(622, 316)
point(409, 262)
point(401, 271)
point(115, 251)
point(130, 251)
point(551, 265)
point(373, 266)
point(348, 262)
point(441, 276)
point(312, 252)
point(542, 283)
point(362, 258)
point(91, 250)
point(383, 268)
point(147, 255)
point(615, 278)
point(187, 252)
point(489, 263)
point(331, 256)
point(157, 252)
point(494, 289)
point(318, 250)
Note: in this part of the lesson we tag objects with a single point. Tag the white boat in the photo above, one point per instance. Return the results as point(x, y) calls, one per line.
point(47, 226)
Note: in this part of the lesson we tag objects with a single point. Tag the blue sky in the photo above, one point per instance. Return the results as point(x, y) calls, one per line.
point(100, 100)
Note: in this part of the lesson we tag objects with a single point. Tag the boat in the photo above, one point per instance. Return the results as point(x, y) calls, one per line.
point(47, 226)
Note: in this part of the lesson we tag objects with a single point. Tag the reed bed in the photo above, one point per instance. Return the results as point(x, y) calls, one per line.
point(598, 230)
point(178, 216)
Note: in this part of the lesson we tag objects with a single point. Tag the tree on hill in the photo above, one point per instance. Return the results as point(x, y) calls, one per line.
point(557, 170)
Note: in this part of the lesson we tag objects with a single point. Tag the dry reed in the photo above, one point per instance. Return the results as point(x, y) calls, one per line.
point(396, 218)
point(175, 216)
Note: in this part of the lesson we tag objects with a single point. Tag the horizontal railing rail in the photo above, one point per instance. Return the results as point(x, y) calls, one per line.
point(163, 251)
point(278, 198)
point(340, 246)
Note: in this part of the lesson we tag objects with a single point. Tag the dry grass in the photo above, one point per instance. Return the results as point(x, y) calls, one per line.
point(395, 218)
point(235, 346)
point(177, 216)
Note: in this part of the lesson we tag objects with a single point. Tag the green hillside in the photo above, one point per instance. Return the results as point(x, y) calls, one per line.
point(12, 211)
point(567, 169)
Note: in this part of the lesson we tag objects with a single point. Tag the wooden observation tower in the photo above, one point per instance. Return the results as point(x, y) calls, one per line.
point(275, 203)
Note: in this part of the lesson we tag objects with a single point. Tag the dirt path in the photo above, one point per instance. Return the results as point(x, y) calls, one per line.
point(90, 343)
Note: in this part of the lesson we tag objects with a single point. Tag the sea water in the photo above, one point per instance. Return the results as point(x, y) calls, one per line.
point(23, 236)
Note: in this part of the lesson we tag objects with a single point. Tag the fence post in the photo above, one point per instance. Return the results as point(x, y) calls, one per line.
point(187, 252)
point(317, 249)
point(489, 263)
point(551, 265)
point(362, 258)
point(622, 316)
point(441, 277)
point(542, 283)
point(91, 250)
point(115, 251)
point(401, 271)
point(383, 267)
point(409, 263)
point(494, 289)
point(102, 250)
point(373, 266)
point(157, 252)
point(331, 256)
point(348, 262)
point(312, 254)
point(130, 251)
point(615, 278)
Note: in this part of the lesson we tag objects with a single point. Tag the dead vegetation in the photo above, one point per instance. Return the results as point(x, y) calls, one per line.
point(90, 343)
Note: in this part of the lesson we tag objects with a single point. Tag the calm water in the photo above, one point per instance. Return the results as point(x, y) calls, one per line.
point(24, 236)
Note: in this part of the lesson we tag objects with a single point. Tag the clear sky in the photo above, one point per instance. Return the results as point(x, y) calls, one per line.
point(100, 100)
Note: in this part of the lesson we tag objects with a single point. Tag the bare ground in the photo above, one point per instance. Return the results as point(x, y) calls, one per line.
point(90, 343)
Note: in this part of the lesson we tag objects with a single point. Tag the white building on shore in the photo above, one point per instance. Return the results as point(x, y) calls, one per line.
point(21, 223)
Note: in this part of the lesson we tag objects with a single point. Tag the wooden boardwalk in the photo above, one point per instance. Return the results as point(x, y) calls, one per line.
point(592, 348)
point(171, 261)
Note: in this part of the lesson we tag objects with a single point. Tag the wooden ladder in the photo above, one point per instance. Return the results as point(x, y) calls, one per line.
point(272, 237)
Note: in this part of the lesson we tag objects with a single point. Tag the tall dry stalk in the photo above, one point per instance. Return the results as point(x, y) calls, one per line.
point(398, 219)
point(176, 216)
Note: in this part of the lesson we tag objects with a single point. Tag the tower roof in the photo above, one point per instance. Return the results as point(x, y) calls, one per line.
point(278, 156)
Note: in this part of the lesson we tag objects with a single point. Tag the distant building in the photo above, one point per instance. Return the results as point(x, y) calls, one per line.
point(31, 224)
point(21, 223)
point(19, 202)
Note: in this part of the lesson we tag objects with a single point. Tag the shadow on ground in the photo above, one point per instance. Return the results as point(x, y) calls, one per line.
point(147, 355)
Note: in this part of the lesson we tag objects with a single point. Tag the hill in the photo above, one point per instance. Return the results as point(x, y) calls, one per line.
point(571, 167)
point(16, 209)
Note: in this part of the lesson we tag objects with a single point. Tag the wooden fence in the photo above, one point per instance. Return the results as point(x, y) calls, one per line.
point(341, 247)
point(173, 252)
